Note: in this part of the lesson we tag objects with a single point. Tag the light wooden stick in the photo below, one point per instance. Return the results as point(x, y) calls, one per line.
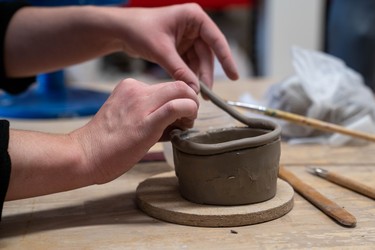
point(303, 120)
point(344, 182)
point(326, 205)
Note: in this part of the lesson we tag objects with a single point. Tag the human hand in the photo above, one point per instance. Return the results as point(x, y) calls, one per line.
point(180, 38)
point(131, 121)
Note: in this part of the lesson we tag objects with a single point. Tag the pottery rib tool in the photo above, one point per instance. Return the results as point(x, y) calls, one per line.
point(303, 120)
point(344, 182)
point(329, 207)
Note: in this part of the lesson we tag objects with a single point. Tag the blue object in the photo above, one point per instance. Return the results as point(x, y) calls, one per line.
point(350, 35)
point(52, 98)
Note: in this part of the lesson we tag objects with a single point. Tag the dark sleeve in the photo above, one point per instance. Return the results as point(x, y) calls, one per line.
point(5, 164)
point(10, 85)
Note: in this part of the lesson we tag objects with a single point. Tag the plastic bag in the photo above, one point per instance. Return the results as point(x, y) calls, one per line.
point(323, 88)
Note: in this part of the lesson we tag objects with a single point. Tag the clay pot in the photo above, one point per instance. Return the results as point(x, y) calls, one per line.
point(229, 166)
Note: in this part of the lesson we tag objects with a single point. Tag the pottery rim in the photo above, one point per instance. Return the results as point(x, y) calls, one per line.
point(182, 140)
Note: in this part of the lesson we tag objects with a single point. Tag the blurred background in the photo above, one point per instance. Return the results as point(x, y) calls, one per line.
point(260, 32)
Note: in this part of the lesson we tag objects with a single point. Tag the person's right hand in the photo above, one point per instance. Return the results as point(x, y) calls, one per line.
point(181, 38)
point(130, 122)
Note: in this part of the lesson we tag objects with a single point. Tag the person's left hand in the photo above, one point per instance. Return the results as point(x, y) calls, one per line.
point(180, 38)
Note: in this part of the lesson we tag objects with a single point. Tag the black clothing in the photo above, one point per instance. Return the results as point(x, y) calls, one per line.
point(12, 86)
point(5, 164)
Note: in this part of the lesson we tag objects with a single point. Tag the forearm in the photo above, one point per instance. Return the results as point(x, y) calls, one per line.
point(131, 121)
point(44, 39)
point(44, 164)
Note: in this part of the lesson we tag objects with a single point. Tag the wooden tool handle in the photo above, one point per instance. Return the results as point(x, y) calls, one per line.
point(318, 124)
point(350, 184)
point(326, 205)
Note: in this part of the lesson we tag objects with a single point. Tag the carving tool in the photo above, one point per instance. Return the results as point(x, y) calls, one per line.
point(344, 182)
point(303, 120)
point(326, 205)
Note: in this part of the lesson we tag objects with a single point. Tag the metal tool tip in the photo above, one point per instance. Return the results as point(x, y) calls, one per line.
point(311, 170)
point(317, 171)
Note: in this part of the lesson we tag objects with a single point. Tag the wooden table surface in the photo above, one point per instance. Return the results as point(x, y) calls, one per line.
point(106, 217)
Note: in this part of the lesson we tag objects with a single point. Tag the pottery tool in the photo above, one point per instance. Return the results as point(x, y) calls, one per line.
point(326, 205)
point(344, 182)
point(251, 122)
point(303, 120)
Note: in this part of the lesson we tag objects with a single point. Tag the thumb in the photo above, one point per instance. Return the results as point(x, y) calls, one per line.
point(179, 113)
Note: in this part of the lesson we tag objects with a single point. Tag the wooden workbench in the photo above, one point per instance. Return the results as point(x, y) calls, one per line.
point(106, 217)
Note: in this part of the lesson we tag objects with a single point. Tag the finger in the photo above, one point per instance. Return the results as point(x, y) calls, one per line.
point(211, 35)
point(182, 110)
point(193, 61)
point(205, 62)
point(165, 92)
point(166, 136)
point(172, 62)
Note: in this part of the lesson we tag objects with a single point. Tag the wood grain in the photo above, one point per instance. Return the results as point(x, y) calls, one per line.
point(158, 196)
point(351, 184)
point(106, 217)
point(323, 203)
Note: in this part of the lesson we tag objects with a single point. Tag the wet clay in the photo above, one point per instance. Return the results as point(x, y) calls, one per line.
point(231, 166)
point(158, 196)
point(251, 122)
